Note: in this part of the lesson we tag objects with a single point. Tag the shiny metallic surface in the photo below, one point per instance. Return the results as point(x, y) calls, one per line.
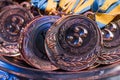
point(26, 5)
point(6, 76)
point(64, 44)
point(113, 27)
point(57, 45)
point(90, 15)
point(14, 68)
point(111, 41)
point(75, 35)
point(32, 42)
point(107, 35)
point(13, 19)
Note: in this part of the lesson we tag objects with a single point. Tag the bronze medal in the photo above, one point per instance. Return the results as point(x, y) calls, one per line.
point(111, 39)
point(32, 42)
point(73, 42)
point(12, 20)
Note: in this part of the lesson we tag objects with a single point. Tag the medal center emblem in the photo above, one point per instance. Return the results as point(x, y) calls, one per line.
point(15, 24)
point(75, 35)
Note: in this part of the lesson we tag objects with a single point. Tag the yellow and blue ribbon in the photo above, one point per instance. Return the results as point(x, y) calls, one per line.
point(105, 10)
point(41, 4)
point(45, 5)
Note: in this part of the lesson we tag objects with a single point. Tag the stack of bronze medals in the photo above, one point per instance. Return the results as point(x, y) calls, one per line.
point(60, 35)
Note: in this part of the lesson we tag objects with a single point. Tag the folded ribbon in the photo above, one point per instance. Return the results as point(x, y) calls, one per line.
point(105, 10)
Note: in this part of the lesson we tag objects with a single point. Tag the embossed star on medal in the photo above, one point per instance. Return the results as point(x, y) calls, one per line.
point(12, 20)
point(73, 42)
point(32, 42)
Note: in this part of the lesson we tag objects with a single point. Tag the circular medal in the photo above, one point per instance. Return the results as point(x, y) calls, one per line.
point(73, 42)
point(32, 42)
point(111, 39)
point(12, 20)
